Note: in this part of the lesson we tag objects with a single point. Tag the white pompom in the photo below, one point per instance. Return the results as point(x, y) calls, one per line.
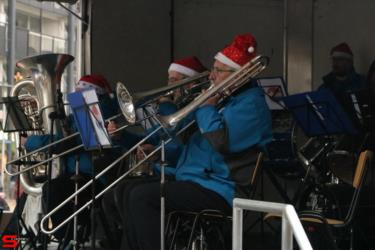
point(250, 49)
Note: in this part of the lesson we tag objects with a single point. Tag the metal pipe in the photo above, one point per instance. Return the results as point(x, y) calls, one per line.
point(285, 41)
point(287, 233)
point(290, 222)
point(11, 41)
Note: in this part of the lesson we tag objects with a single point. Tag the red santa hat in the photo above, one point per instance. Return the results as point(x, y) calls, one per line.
point(189, 66)
point(239, 52)
point(342, 50)
point(97, 82)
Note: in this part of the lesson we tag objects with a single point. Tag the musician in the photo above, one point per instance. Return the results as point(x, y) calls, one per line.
point(63, 185)
point(215, 164)
point(343, 77)
point(178, 70)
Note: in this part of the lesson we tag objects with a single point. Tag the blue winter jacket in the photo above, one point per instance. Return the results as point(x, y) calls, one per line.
point(221, 154)
point(109, 108)
point(354, 82)
point(172, 149)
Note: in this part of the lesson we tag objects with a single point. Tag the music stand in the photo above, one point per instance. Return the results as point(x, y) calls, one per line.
point(15, 120)
point(274, 89)
point(94, 136)
point(319, 113)
point(89, 120)
point(360, 107)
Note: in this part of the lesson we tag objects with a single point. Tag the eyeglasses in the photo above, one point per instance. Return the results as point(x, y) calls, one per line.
point(216, 70)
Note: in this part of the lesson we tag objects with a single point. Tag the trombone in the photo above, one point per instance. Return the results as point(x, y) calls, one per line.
point(127, 106)
point(225, 89)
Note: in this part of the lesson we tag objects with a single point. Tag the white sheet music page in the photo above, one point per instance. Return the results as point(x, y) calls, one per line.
point(96, 116)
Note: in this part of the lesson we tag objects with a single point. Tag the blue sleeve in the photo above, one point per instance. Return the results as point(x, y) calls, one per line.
point(34, 142)
point(245, 122)
point(167, 108)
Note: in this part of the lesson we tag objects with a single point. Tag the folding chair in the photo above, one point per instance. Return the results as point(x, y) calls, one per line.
point(195, 226)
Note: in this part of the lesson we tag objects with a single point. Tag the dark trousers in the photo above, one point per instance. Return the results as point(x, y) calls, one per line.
point(141, 207)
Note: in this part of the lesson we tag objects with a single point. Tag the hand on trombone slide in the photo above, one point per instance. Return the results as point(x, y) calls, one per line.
point(144, 150)
point(111, 128)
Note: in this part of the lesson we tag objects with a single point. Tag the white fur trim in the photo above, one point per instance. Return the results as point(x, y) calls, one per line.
point(87, 85)
point(251, 49)
point(227, 61)
point(182, 69)
point(339, 54)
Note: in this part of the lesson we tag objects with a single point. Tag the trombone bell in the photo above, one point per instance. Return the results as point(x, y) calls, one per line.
point(125, 102)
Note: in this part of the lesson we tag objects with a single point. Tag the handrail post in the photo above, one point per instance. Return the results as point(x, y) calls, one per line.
point(291, 225)
point(237, 228)
point(287, 233)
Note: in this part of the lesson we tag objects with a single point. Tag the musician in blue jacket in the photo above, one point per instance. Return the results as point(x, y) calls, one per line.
point(109, 108)
point(63, 185)
point(215, 164)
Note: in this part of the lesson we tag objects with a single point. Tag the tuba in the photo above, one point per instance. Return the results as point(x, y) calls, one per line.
point(38, 97)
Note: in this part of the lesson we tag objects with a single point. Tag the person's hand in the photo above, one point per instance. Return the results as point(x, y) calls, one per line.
point(213, 100)
point(111, 128)
point(144, 150)
point(23, 141)
point(165, 99)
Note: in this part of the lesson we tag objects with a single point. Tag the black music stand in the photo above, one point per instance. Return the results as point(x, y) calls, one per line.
point(319, 113)
point(359, 105)
point(16, 121)
point(94, 135)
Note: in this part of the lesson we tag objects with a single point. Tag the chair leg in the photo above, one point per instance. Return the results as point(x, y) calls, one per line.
point(175, 233)
point(196, 218)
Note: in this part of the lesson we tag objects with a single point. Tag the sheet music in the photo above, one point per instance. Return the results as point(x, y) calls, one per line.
point(273, 88)
point(91, 100)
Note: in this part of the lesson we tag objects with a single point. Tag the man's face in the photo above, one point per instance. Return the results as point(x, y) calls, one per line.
point(220, 72)
point(174, 76)
point(341, 66)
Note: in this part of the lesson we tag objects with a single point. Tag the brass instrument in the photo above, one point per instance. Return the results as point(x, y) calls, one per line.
point(225, 88)
point(44, 72)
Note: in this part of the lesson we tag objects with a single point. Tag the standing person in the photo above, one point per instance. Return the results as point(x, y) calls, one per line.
point(343, 77)
point(215, 164)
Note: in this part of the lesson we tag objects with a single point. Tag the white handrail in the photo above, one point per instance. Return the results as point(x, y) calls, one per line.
point(290, 223)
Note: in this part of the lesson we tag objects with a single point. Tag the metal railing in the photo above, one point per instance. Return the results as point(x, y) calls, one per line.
point(290, 223)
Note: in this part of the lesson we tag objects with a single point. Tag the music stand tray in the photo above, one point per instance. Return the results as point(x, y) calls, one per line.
point(15, 120)
point(319, 113)
point(89, 120)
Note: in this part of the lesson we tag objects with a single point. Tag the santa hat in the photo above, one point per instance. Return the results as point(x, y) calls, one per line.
point(239, 52)
point(97, 82)
point(342, 50)
point(189, 66)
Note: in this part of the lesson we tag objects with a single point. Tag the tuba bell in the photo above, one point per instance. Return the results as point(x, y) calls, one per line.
point(38, 97)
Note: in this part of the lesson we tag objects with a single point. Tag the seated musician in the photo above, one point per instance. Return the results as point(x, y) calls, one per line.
point(63, 186)
point(215, 163)
point(178, 70)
